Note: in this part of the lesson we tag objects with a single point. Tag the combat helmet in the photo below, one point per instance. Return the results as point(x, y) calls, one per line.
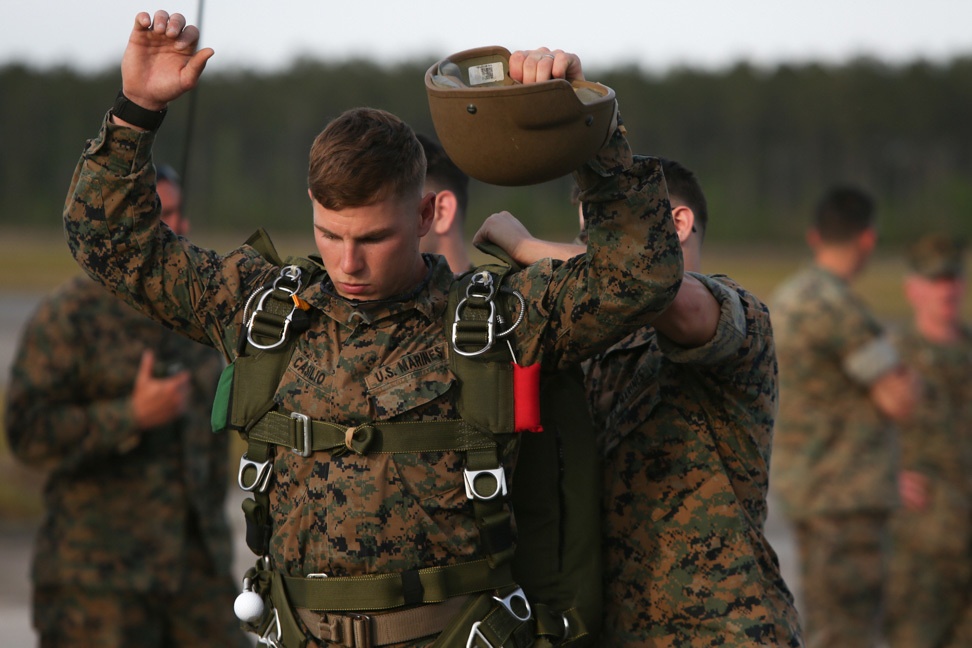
point(503, 132)
point(937, 256)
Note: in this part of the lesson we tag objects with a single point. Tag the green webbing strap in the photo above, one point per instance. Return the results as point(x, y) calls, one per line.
point(256, 512)
point(485, 400)
point(284, 430)
point(291, 634)
point(260, 241)
point(558, 627)
point(386, 591)
point(493, 518)
point(256, 376)
point(500, 628)
point(255, 380)
point(486, 380)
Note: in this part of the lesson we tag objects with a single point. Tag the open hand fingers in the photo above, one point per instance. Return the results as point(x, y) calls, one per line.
point(543, 64)
point(143, 21)
point(160, 21)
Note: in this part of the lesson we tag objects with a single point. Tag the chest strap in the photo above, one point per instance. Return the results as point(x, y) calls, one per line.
point(305, 436)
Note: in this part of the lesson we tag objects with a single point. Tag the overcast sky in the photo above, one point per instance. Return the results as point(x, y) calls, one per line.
point(91, 34)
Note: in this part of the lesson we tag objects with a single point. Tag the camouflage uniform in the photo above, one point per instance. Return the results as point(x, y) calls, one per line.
point(931, 549)
point(687, 434)
point(134, 532)
point(349, 514)
point(834, 456)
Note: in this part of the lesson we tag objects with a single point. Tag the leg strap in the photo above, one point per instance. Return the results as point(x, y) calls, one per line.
point(387, 591)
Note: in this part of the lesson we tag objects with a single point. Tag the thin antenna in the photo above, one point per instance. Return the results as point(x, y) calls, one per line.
point(190, 120)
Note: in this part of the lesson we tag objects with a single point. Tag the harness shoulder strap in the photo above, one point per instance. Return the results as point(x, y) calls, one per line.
point(475, 313)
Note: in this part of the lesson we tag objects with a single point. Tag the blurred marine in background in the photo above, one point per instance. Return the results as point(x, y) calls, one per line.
point(451, 187)
point(842, 388)
point(134, 549)
point(931, 534)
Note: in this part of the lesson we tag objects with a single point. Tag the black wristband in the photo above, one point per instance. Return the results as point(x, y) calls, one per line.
point(125, 109)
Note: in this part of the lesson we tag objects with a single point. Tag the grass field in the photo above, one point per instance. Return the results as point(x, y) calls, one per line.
point(37, 262)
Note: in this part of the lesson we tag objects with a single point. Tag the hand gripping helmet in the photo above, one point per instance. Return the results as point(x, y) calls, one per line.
point(508, 133)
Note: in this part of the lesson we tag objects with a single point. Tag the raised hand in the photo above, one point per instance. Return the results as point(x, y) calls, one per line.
point(531, 66)
point(161, 62)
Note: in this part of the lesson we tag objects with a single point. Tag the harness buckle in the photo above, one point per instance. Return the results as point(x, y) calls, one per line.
point(471, 476)
point(262, 479)
point(490, 333)
point(481, 287)
point(516, 596)
point(283, 331)
point(288, 275)
point(305, 424)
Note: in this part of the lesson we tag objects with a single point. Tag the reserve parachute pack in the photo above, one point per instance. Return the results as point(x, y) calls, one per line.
point(540, 581)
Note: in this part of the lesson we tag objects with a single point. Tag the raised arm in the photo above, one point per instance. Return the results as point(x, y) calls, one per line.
point(112, 210)
point(505, 230)
point(690, 321)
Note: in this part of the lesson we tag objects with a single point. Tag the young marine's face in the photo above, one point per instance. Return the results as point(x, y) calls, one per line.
point(372, 252)
point(936, 300)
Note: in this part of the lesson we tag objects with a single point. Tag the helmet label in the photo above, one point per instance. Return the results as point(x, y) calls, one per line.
point(486, 73)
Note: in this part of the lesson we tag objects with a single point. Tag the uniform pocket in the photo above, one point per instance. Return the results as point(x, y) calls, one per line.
point(411, 383)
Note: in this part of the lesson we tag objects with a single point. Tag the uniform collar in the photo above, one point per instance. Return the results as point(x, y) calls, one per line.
point(428, 298)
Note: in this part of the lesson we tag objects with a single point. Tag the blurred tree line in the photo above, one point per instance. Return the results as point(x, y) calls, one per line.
point(764, 142)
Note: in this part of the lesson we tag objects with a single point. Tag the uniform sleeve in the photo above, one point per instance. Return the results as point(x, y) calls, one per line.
point(730, 332)
point(111, 220)
point(857, 340)
point(822, 319)
point(48, 423)
point(740, 359)
point(871, 360)
point(630, 272)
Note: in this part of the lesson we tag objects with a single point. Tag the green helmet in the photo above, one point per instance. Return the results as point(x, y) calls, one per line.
point(508, 133)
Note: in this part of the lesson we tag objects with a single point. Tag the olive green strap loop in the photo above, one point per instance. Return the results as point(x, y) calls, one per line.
point(256, 511)
point(288, 431)
point(559, 627)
